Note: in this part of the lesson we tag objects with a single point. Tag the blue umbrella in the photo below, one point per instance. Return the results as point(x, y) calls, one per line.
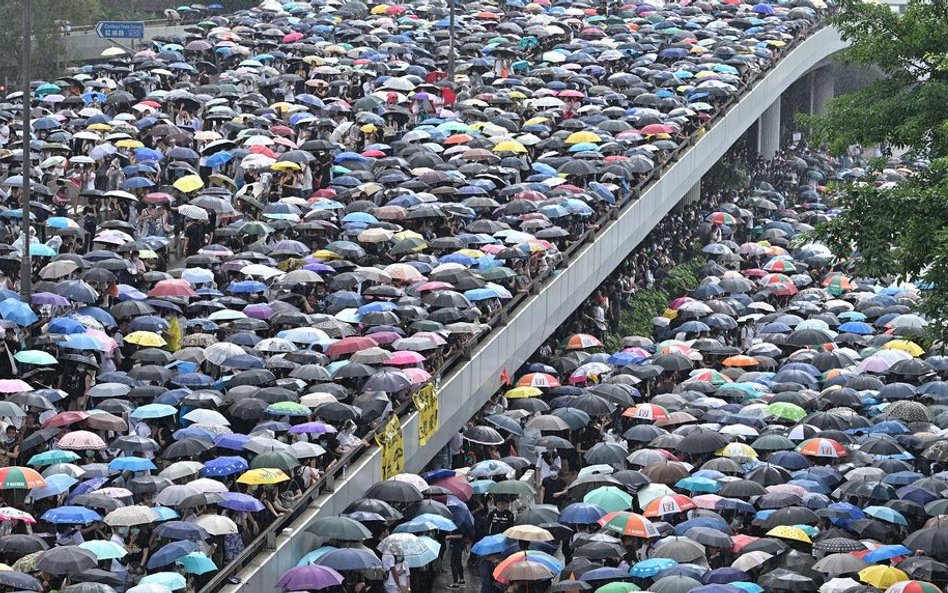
point(581, 513)
point(887, 553)
point(887, 514)
point(492, 544)
point(197, 563)
point(71, 515)
point(56, 484)
point(349, 559)
point(169, 553)
point(179, 530)
point(651, 567)
point(224, 466)
point(65, 325)
point(237, 501)
point(18, 312)
point(81, 342)
point(440, 522)
point(133, 464)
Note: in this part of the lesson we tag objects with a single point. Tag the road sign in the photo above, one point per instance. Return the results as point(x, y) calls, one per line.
point(120, 29)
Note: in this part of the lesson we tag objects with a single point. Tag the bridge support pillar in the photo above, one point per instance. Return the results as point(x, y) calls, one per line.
point(768, 131)
point(693, 195)
point(822, 89)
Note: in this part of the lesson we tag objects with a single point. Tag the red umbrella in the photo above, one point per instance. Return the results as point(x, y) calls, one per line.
point(349, 345)
point(172, 288)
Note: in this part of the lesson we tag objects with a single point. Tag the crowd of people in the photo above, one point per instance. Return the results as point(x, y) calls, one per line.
point(252, 242)
point(780, 431)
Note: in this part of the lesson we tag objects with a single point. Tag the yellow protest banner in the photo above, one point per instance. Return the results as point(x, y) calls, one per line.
point(426, 401)
point(389, 439)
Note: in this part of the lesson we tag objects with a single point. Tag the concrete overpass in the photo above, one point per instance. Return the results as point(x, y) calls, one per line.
point(465, 390)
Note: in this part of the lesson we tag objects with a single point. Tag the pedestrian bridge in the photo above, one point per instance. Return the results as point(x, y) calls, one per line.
point(472, 382)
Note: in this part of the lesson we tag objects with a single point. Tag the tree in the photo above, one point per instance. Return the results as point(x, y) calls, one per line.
point(907, 108)
point(899, 232)
point(48, 47)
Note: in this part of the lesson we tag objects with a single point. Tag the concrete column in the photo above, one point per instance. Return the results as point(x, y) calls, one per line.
point(693, 195)
point(768, 131)
point(822, 89)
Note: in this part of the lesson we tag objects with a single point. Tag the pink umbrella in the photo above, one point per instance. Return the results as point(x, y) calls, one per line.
point(433, 336)
point(82, 440)
point(291, 37)
point(457, 485)
point(108, 343)
point(14, 386)
point(383, 338)
point(405, 357)
point(417, 376)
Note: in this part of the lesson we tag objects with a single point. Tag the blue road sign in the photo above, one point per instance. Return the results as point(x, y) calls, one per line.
point(120, 29)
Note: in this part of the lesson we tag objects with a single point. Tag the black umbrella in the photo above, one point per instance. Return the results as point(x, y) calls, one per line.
point(484, 435)
point(340, 528)
point(701, 442)
point(394, 491)
point(17, 545)
point(66, 560)
point(19, 581)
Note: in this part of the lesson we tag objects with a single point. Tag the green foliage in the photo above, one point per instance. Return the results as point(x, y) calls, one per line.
point(48, 49)
point(899, 234)
point(636, 317)
point(725, 176)
point(907, 109)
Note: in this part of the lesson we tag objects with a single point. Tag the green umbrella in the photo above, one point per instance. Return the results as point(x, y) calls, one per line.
point(609, 498)
point(37, 357)
point(288, 409)
point(618, 587)
point(52, 457)
point(512, 487)
point(275, 460)
point(787, 411)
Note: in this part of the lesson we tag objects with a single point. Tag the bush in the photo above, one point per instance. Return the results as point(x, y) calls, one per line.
point(636, 316)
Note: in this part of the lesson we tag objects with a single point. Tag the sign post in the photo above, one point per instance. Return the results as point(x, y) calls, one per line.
point(120, 29)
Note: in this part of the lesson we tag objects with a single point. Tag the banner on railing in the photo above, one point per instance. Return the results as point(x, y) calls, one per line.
point(426, 402)
point(390, 442)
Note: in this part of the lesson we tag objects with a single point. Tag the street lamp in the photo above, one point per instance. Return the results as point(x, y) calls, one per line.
point(26, 270)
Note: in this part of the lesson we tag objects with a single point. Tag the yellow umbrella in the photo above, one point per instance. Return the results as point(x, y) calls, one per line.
point(112, 52)
point(145, 338)
point(326, 254)
point(262, 476)
point(286, 166)
point(790, 532)
point(510, 146)
point(522, 392)
point(738, 450)
point(471, 253)
point(380, 9)
point(129, 143)
point(585, 136)
point(905, 346)
point(99, 127)
point(882, 576)
point(368, 128)
point(536, 121)
point(188, 184)
point(407, 234)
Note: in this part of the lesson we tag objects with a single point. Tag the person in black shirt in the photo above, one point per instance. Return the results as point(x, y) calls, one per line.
point(500, 518)
point(89, 224)
point(194, 236)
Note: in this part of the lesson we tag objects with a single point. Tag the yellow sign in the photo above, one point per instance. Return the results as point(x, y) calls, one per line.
point(389, 440)
point(426, 401)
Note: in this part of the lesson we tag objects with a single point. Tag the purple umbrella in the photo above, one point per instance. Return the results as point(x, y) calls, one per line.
point(86, 487)
point(48, 298)
point(309, 578)
point(313, 428)
point(259, 311)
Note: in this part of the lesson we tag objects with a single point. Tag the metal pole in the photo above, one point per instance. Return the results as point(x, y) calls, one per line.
point(451, 29)
point(26, 60)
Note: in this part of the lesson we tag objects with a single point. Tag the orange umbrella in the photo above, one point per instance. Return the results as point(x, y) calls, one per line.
point(740, 360)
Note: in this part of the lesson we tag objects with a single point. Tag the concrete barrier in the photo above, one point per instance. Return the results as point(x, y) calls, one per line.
point(466, 390)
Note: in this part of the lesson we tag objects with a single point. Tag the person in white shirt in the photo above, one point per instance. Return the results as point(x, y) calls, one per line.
point(398, 575)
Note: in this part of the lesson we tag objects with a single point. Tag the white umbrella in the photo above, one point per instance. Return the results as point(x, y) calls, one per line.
point(205, 416)
point(217, 525)
point(129, 516)
point(174, 494)
point(181, 469)
point(221, 351)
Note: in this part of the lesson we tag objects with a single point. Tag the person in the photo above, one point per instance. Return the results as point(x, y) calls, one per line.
point(500, 518)
point(397, 573)
point(9, 447)
point(456, 542)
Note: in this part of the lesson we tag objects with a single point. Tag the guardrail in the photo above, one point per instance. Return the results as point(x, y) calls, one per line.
point(468, 386)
